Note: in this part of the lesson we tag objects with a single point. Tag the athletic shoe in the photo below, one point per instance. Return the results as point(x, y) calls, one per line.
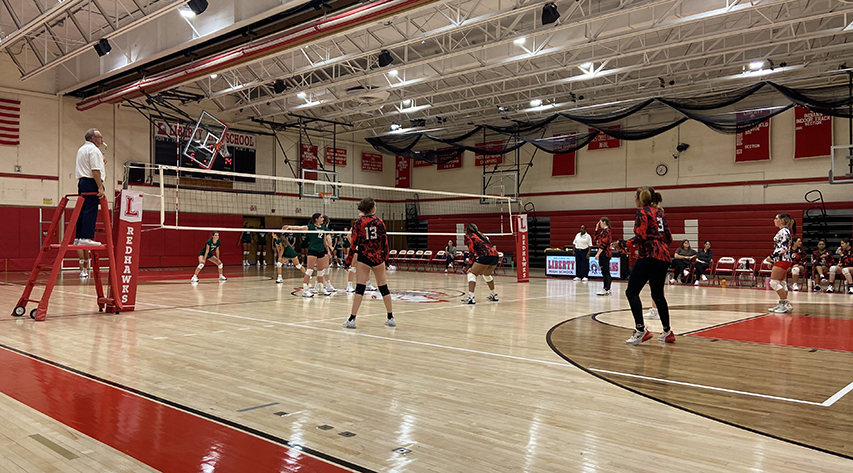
point(639, 337)
point(830, 289)
point(667, 337)
point(265, 263)
point(577, 279)
point(350, 289)
point(789, 306)
point(686, 272)
point(84, 274)
point(391, 267)
point(370, 287)
point(696, 283)
point(324, 292)
point(795, 287)
point(391, 322)
point(329, 287)
point(704, 278)
point(445, 270)
point(492, 297)
point(259, 263)
point(307, 293)
point(76, 241)
point(585, 279)
point(87, 242)
point(652, 314)
point(603, 292)
point(672, 281)
point(850, 290)
point(222, 278)
point(349, 324)
point(194, 279)
point(780, 308)
point(279, 280)
point(469, 300)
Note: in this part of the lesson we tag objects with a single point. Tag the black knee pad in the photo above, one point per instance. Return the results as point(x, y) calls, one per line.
point(383, 289)
point(359, 289)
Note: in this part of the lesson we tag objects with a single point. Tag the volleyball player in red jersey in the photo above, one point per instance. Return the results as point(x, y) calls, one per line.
point(348, 263)
point(368, 235)
point(798, 261)
point(603, 239)
point(484, 258)
point(652, 236)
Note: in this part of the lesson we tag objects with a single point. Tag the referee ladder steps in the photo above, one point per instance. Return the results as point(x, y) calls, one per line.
point(43, 261)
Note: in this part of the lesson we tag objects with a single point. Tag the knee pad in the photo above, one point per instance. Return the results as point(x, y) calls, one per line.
point(257, 253)
point(833, 269)
point(795, 270)
point(383, 289)
point(472, 277)
point(220, 265)
point(309, 272)
point(488, 278)
point(359, 289)
point(299, 266)
point(265, 253)
point(352, 269)
point(200, 265)
point(845, 271)
point(82, 261)
point(278, 264)
point(775, 285)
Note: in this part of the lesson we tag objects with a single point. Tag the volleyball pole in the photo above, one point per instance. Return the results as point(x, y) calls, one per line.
point(127, 233)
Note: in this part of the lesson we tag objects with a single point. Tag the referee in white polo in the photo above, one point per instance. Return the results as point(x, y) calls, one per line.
point(89, 172)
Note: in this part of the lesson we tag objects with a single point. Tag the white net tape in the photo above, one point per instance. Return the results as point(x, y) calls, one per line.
point(186, 193)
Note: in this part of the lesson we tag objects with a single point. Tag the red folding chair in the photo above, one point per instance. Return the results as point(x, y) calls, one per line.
point(438, 259)
point(426, 259)
point(764, 270)
point(725, 267)
point(407, 260)
point(745, 267)
point(501, 262)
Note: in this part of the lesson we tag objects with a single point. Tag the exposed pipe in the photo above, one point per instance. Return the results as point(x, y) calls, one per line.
point(301, 35)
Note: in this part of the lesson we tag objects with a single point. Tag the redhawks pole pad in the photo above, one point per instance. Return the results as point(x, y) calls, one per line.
point(522, 256)
point(127, 248)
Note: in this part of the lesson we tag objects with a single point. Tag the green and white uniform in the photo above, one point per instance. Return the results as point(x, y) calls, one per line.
point(315, 240)
point(213, 246)
point(288, 252)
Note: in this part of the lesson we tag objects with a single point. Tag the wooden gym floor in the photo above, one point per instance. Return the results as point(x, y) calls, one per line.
point(246, 375)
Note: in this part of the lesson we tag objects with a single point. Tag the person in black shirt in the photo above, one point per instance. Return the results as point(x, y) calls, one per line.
point(703, 262)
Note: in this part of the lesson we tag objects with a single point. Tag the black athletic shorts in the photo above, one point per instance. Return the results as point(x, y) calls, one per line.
point(318, 254)
point(364, 259)
point(488, 260)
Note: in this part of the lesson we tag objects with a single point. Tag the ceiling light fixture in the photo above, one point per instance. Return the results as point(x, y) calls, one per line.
point(278, 86)
point(519, 41)
point(407, 102)
point(535, 102)
point(756, 65)
point(384, 58)
point(302, 95)
point(214, 76)
point(186, 12)
point(395, 126)
point(393, 73)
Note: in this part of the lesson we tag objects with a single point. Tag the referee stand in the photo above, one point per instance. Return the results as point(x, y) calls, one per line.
point(43, 260)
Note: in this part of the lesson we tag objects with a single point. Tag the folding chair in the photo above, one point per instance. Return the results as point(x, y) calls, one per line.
point(501, 262)
point(745, 267)
point(407, 260)
point(438, 259)
point(764, 270)
point(392, 257)
point(426, 259)
point(725, 267)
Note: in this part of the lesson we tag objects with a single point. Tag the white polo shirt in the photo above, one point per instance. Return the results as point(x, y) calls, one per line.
point(89, 158)
point(582, 242)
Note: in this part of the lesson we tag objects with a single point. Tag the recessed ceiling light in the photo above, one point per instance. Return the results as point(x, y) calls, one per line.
point(214, 76)
point(519, 41)
point(186, 13)
point(407, 102)
point(586, 65)
point(756, 65)
point(395, 126)
point(302, 95)
point(535, 102)
point(393, 73)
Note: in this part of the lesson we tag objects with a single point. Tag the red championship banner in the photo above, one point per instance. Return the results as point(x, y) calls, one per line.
point(371, 162)
point(454, 163)
point(127, 235)
point(309, 160)
point(603, 141)
point(402, 173)
point(812, 134)
point(522, 256)
point(489, 159)
point(753, 144)
point(564, 164)
point(336, 156)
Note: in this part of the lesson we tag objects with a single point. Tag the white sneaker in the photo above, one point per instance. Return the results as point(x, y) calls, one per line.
point(686, 272)
point(667, 337)
point(84, 274)
point(222, 277)
point(194, 279)
point(349, 324)
point(585, 279)
point(830, 289)
point(391, 322)
point(324, 292)
point(696, 283)
point(639, 337)
point(672, 281)
point(259, 263)
point(795, 287)
point(577, 279)
point(780, 308)
point(370, 287)
point(279, 280)
point(469, 300)
point(492, 298)
point(87, 242)
point(603, 292)
point(307, 293)
point(850, 290)
point(265, 263)
point(350, 289)
point(76, 241)
point(329, 287)
point(391, 267)
point(704, 278)
point(652, 314)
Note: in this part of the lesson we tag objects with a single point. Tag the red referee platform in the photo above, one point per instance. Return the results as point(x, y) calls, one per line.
point(129, 206)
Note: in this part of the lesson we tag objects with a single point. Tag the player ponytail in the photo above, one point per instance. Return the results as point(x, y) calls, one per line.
point(646, 196)
point(789, 222)
point(366, 205)
point(472, 229)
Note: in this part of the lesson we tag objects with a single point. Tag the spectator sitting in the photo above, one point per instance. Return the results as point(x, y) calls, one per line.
point(684, 255)
point(703, 262)
point(450, 254)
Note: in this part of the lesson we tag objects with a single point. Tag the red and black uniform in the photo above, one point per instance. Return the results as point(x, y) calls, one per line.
point(369, 237)
point(798, 257)
point(845, 260)
point(481, 251)
point(652, 237)
point(603, 239)
point(824, 258)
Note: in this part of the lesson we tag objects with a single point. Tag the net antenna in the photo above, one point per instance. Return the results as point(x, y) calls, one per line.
point(206, 140)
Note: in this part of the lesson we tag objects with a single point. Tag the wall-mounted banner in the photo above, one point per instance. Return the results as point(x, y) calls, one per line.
point(309, 160)
point(603, 141)
point(753, 144)
point(564, 164)
point(419, 163)
point(371, 162)
point(402, 172)
point(336, 156)
point(454, 163)
point(812, 134)
point(489, 159)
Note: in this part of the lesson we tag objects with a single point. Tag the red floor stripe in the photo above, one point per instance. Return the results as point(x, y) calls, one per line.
point(788, 330)
point(162, 437)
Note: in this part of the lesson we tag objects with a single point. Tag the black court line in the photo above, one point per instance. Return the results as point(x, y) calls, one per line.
point(190, 410)
point(667, 403)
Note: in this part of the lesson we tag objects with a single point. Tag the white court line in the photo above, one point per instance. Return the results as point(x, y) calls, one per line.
point(835, 397)
point(712, 388)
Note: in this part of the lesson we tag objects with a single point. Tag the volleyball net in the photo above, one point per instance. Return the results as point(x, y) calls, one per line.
point(183, 197)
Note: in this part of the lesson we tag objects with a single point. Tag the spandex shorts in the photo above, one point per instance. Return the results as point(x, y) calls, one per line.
point(786, 265)
point(487, 260)
point(318, 254)
point(364, 259)
point(289, 252)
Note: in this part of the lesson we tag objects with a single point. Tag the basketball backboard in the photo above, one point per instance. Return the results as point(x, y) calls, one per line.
point(206, 141)
point(320, 182)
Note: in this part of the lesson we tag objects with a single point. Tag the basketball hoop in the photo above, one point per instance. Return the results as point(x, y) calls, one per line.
point(327, 197)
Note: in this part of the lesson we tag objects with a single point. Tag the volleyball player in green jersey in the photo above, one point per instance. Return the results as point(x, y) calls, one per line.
point(261, 248)
point(316, 252)
point(284, 252)
point(210, 252)
point(330, 252)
